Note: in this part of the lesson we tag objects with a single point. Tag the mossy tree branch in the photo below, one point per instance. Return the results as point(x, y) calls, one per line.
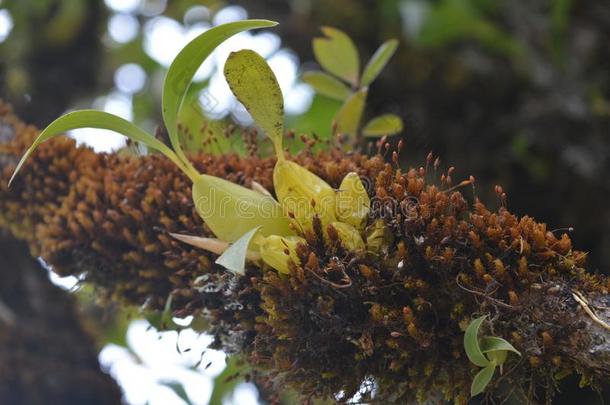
point(396, 329)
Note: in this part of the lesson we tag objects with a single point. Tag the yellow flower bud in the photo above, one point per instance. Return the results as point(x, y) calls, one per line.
point(303, 194)
point(277, 251)
point(353, 202)
point(378, 236)
point(349, 236)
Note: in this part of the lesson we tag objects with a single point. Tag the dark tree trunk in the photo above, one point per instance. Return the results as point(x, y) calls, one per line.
point(46, 356)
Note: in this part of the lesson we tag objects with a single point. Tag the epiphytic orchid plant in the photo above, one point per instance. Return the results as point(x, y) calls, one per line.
point(302, 195)
point(251, 225)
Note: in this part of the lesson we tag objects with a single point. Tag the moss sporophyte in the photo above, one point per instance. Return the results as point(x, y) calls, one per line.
point(249, 224)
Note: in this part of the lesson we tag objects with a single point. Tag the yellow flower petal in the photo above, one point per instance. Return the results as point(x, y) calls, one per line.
point(303, 194)
point(353, 202)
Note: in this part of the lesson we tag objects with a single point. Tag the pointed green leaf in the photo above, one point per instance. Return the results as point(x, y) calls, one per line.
point(231, 210)
point(378, 61)
point(471, 343)
point(482, 379)
point(163, 320)
point(234, 258)
point(349, 115)
point(256, 87)
point(183, 69)
point(490, 344)
point(337, 54)
point(100, 120)
point(387, 124)
point(327, 85)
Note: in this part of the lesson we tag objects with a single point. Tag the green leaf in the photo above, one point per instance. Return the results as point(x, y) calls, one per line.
point(226, 382)
point(497, 357)
point(234, 258)
point(482, 379)
point(179, 390)
point(231, 210)
point(387, 124)
point(163, 320)
point(493, 343)
point(100, 120)
point(256, 87)
point(349, 115)
point(471, 343)
point(337, 54)
point(183, 69)
point(327, 85)
point(378, 61)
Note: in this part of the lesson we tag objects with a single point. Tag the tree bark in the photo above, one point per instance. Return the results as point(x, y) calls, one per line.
point(46, 356)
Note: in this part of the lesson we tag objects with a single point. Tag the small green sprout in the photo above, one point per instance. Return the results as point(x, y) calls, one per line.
point(487, 352)
point(338, 56)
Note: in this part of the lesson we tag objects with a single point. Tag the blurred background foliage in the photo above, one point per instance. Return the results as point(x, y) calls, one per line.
point(514, 92)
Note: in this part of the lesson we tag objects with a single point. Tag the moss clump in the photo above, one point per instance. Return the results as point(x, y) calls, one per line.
point(387, 322)
point(396, 319)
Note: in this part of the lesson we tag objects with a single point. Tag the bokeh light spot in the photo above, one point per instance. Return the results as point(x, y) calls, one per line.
point(130, 78)
point(196, 14)
point(163, 39)
point(230, 14)
point(6, 24)
point(123, 28)
point(125, 6)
